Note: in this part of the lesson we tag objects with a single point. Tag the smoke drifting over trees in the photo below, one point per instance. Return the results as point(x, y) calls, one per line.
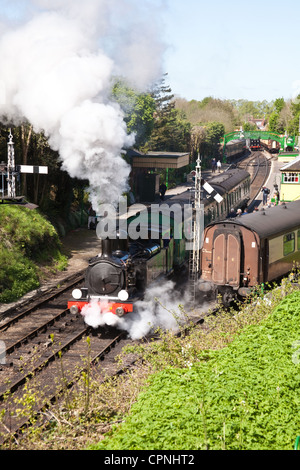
point(60, 60)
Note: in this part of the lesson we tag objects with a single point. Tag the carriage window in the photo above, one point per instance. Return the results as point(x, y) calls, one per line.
point(288, 244)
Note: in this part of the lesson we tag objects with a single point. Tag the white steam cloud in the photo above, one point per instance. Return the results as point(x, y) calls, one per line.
point(57, 63)
point(162, 307)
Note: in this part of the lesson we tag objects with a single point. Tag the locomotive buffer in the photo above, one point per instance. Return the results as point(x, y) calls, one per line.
point(197, 228)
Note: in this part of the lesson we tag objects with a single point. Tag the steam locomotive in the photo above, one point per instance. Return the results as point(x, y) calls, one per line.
point(255, 144)
point(119, 275)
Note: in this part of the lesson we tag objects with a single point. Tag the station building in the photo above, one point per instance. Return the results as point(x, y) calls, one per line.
point(290, 180)
point(145, 180)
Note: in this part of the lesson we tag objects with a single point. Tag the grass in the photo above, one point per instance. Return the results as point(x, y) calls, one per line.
point(243, 396)
point(232, 385)
point(29, 245)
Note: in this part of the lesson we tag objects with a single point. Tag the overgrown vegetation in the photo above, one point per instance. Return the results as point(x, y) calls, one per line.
point(231, 385)
point(244, 396)
point(29, 245)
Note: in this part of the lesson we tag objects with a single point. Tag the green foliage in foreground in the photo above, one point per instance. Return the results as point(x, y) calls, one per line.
point(27, 240)
point(245, 396)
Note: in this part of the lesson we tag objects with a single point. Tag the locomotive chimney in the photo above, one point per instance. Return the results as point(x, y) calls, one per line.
point(106, 247)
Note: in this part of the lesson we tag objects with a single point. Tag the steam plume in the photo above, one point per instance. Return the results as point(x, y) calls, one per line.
point(57, 63)
point(160, 308)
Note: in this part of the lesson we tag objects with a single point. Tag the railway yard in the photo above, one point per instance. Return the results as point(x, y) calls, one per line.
point(40, 334)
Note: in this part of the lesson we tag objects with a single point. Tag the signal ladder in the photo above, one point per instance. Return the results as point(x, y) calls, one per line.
point(194, 260)
point(197, 221)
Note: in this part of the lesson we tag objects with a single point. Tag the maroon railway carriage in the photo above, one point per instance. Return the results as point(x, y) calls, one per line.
point(255, 248)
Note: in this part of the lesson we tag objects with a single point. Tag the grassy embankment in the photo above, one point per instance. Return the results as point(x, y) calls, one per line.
point(29, 247)
point(243, 396)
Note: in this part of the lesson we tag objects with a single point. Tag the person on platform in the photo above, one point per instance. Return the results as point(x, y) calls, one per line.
point(231, 214)
point(162, 190)
point(265, 192)
point(213, 165)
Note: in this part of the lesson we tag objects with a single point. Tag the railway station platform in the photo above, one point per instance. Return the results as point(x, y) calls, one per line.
point(206, 174)
point(274, 178)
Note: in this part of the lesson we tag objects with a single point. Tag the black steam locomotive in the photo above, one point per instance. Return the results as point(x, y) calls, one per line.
point(255, 144)
point(119, 275)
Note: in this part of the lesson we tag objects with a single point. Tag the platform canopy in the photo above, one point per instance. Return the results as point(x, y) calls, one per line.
point(159, 159)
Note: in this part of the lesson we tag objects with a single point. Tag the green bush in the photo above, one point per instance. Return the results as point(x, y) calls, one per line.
point(18, 275)
point(27, 240)
point(244, 396)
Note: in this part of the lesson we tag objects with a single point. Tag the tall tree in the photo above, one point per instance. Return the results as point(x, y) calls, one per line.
point(172, 131)
point(294, 124)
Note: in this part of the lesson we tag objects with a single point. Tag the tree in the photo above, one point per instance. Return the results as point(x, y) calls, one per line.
point(293, 127)
point(214, 132)
point(279, 104)
point(277, 120)
point(139, 111)
point(249, 126)
point(26, 133)
point(198, 113)
point(275, 123)
point(171, 131)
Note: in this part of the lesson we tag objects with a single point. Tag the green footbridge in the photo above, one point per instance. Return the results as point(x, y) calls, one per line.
point(284, 140)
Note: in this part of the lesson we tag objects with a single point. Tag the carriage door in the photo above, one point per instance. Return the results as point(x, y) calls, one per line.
point(226, 257)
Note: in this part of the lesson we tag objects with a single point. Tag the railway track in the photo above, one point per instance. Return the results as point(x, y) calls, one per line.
point(48, 349)
point(258, 166)
point(47, 346)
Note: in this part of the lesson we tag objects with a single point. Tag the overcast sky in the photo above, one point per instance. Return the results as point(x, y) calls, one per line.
point(233, 49)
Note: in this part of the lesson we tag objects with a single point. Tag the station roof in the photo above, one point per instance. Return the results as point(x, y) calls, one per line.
point(294, 165)
point(159, 159)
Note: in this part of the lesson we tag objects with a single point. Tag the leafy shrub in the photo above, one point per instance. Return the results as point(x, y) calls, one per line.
point(27, 240)
point(18, 275)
